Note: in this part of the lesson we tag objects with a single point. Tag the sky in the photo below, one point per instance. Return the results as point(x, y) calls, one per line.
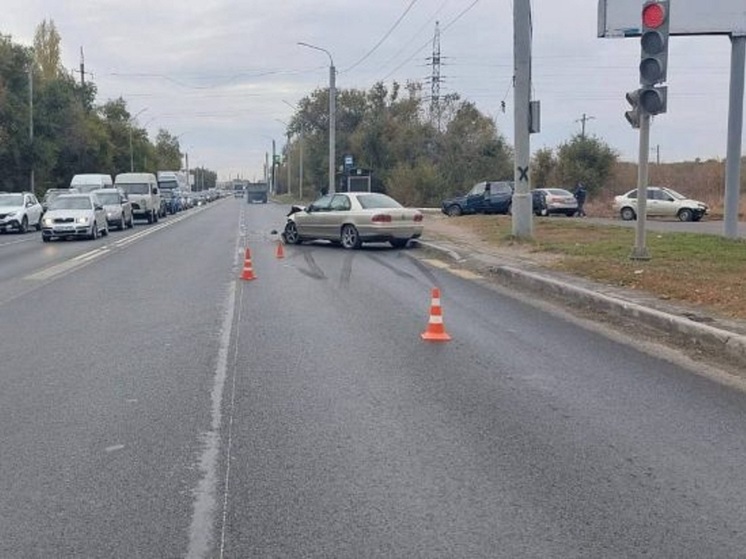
point(223, 75)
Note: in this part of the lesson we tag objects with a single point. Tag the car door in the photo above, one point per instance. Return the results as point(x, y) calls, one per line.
point(33, 210)
point(310, 221)
point(501, 197)
point(331, 222)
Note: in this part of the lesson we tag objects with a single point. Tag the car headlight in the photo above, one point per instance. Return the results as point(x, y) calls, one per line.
point(13, 214)
point(82, 220)
point(48, 221)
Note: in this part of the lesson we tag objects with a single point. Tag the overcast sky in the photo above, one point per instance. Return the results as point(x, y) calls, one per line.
point(219, 73)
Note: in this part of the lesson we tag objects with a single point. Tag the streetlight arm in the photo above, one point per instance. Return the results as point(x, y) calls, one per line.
point(331, 60)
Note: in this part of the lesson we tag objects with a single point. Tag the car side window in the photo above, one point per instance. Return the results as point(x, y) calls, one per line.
point(340, 202)
point(501, 188)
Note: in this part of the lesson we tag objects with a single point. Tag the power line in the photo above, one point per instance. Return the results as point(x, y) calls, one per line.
point(428, 42)
point(385, 36)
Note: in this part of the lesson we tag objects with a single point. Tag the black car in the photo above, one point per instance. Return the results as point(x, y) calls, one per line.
point(495, 197)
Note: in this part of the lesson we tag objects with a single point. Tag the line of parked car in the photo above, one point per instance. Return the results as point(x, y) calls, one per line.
point(93, 204)
point(496, 197)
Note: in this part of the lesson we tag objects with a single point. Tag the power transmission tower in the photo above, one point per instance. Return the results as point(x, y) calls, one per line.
point(585, 118)
point(435, 79)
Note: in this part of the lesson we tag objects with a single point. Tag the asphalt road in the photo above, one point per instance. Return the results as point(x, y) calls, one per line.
point(154, 405)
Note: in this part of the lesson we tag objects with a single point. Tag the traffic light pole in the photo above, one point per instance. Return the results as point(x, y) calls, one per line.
point(640, 250)
point(522, 219)
point(735, 131)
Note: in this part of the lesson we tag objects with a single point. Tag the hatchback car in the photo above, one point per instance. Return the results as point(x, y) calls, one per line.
point(19, 211)
point(74, 215)
point(661, 202)
point(556, 201)
point(117, 206)
point(353, 218)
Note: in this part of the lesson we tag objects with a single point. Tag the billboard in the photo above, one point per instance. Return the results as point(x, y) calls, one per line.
point(623, 18)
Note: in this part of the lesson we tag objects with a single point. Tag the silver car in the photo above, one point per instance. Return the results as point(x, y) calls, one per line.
point(74, 215)
point(354, 218)
point(117, 206)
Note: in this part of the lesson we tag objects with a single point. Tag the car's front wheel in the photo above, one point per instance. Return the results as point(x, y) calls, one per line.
point(628, 214)
point(350, 237)
point(685, 214)
point(24, 225)
point(453, 211)
point(291, 234)
point(94, 232)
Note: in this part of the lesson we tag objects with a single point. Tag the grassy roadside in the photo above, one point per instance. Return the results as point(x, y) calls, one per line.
point(705, 270)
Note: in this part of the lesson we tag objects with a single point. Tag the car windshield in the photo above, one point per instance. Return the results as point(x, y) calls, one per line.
point(11, 200)
point(168, 184)
point(675, 194)
point(370, 201)
point(478, 189)
point(71, 203)
point(135, 188)
point(109, 198)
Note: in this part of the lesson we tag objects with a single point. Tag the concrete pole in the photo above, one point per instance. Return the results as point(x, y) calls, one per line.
point(332, 127)
point(300, 164)
point(521, 205)
point(288, 163)
point(32, 186)
point(735, 131)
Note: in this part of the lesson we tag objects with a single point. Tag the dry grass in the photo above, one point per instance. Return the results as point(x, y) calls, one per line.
point(704, 270)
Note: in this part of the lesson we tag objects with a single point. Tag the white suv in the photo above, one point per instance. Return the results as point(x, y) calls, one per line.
point(19, 211)
point(661, 202)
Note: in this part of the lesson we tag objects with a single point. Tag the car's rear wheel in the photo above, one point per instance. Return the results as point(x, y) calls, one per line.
point(628, 214)
point(685, 214)
point(454, 211)
point(46, 239)
point(350, 237)
point(399, 243)
point(38, 224)
point(291, 234)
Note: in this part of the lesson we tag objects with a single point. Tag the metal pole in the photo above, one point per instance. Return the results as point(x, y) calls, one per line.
point(332, 127)
point(521, 205)
point(640, 250)
point(31, 124)
point(288, 163)
point(735, 131)
point(272, 185)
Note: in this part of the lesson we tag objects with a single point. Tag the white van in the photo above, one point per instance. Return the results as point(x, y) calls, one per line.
point(89, 182)
point(142, 190)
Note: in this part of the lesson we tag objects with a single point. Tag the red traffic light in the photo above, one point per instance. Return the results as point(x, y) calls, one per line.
point(653, 15)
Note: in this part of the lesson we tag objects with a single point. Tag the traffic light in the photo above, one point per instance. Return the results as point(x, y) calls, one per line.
point(633, 115)
point(654, 56)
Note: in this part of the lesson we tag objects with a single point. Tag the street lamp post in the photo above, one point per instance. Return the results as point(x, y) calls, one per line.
point(132, 151)
point(332, 115)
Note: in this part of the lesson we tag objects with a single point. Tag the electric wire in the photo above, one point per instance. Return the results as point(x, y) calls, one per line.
point(385, 36)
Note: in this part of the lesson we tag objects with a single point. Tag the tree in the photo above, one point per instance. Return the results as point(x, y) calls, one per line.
point(543, 168)
point(585, 159)
point(47, 50)
point(167, 150)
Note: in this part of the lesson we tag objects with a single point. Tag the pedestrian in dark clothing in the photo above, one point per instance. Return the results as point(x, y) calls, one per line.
point(580, 195)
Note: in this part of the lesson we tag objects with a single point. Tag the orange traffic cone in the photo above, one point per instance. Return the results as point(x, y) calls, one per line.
point(280, 251)
point(248, 272)
point(435, 331)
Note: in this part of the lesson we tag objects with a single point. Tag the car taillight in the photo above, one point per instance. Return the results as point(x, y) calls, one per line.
point(381, 218)
point(418, 217)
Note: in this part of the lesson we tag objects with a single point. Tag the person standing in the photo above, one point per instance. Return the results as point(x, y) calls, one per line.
point(580, 195)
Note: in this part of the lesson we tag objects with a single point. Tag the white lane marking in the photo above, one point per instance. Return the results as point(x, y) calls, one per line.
point(114, 448)
point(86, 257)
point(18, 241)
point(200, 530)
point(77, 262)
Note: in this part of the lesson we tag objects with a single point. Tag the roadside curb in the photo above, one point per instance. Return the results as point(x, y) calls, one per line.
point(726, 343)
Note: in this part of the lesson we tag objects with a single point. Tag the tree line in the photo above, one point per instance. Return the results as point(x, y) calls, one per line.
point(52, 125)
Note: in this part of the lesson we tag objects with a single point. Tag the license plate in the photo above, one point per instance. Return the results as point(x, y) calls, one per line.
point(66, 228)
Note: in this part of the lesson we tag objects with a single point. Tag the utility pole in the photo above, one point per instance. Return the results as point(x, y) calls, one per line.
point(435, 113)
point(272, 185)
point(521, 208)
point(583, 120)
point(300, 165)
point(31, 124)
point(82, 68)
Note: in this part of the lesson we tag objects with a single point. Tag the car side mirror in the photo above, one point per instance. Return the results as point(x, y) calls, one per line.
point(155, 190)
point(98, 207)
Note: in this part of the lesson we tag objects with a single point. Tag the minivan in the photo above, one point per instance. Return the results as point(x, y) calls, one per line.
point(89, 182)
